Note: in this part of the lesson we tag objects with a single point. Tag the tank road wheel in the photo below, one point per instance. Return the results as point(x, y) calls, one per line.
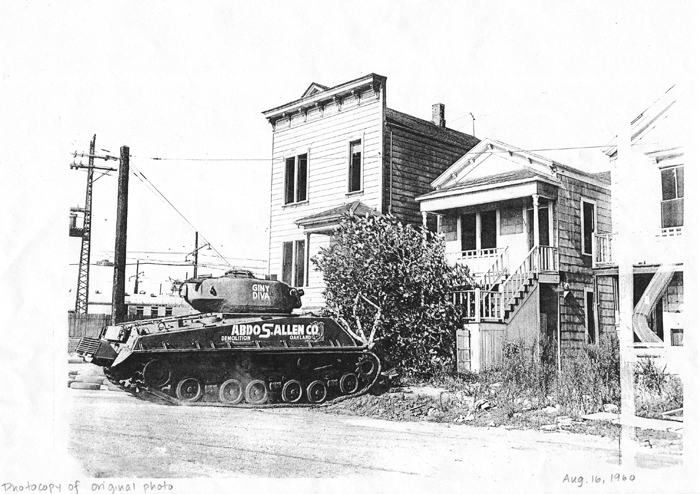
point(349, 383)
point(316, 392)
point(157, 373)
point(292, 391)
point(367, 367)
point(190, 389)
point(231, 392)
point(256, 392)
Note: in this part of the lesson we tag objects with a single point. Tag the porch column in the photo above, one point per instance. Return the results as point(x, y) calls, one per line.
point(425, 227)
point(553, 242)
point(478, 231)
point(536, 229)
point(306, 260)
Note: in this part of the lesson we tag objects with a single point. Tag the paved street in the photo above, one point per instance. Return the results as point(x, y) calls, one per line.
point(116, 435)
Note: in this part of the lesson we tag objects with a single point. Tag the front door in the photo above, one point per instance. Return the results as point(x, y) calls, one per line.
point(543, 216)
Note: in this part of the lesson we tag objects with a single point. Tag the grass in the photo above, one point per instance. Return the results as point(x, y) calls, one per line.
point(529, 392)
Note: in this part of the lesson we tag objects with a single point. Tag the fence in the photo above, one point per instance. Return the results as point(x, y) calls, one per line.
point(89, 325)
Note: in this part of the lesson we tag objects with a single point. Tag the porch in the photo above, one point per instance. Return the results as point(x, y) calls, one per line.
point(497, 302)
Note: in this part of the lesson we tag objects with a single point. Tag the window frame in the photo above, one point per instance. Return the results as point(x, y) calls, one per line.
point(583, 225)
point(294, 181)
point(677, 199)
point(594, 312)
point(360, 141)
point(297, 264)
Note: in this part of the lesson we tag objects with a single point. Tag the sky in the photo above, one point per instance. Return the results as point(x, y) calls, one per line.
point(191, 80)
point(181, 80)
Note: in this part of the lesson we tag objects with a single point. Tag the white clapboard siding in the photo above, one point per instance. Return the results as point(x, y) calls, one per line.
point(326, 138)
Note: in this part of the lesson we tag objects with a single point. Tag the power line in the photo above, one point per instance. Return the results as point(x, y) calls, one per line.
point(153, 188)
point(565, 148)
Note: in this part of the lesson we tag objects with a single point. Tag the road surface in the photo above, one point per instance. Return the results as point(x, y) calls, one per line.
point(115, 435)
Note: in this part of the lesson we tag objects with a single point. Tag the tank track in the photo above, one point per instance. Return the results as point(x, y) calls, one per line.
point(139, 388)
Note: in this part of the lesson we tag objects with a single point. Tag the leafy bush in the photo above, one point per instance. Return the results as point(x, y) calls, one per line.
point(404, 278)
point(650, 377)
point(656, 391)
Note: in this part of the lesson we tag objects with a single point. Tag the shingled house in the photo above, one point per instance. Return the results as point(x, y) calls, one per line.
point(338, 149)
point(648, 190)
point(525, 225)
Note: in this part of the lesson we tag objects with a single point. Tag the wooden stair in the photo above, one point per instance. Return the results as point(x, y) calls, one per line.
point(529, 282)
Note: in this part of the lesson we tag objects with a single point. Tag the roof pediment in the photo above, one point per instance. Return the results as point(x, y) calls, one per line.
point(313, 89)
point(491, 161)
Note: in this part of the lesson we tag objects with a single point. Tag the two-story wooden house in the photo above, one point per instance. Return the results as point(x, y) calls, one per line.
point(525, 225)
point(648, 188)
point(340, 149)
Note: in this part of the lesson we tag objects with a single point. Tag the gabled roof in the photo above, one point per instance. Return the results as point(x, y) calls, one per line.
point(313, 89)
point(502, 159)
point(492, 164)
point(331, 217)
point(656, 128)
point(426, 128)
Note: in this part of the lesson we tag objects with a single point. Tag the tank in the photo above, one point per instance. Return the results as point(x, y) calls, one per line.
point(245, 347)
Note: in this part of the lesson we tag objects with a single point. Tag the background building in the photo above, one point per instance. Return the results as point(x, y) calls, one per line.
point(341, 149)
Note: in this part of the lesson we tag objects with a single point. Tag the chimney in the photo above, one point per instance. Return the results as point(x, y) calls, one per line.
point(439, 114)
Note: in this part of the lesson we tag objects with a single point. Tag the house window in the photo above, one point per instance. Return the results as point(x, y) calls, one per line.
point(154, 311)
point(355, 168)
point(139, 312)
point(168, 311)
point(587, 226)
point(672, 194)
point(511, 221)
point(296, 173)
point(469, 231)
point(488, 229)
point(590, 318)
point(294, 262)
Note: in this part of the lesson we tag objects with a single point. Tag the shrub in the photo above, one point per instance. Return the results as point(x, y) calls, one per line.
point(404, 277)
point(656, 391)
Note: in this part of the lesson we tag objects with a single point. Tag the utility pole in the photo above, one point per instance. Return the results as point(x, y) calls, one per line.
point(82, 293)
point(118, 286)
point(136, 281)
point(196, 252)
point(624, 224)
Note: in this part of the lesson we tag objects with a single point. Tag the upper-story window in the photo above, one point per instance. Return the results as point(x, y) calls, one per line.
point(672, 193)
point(587, 226)
point(296, 172)
point(355, 167)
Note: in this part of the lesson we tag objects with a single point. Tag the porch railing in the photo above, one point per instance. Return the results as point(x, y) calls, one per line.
point(488, 308)
point(540, 258)
point(603, 253)
point(488, 305)
point(496, 271)
point(519, 276)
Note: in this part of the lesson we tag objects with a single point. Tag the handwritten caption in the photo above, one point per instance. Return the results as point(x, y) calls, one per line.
point(78, 487)
point(580, 480)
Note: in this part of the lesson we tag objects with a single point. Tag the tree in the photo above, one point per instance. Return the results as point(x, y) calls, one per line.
point(392, 277)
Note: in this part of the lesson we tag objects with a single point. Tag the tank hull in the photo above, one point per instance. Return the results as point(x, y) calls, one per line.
point(254, 360)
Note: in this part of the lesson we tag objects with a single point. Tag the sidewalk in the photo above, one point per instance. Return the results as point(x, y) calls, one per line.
point(642, 423)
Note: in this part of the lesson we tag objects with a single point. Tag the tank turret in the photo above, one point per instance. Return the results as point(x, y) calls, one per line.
point(240, 292)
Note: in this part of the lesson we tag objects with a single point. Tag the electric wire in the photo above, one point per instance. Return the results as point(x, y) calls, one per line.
point(316, 159)
point(155, 189)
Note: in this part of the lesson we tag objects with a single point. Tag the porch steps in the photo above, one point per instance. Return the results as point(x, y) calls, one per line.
point(520, 295)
